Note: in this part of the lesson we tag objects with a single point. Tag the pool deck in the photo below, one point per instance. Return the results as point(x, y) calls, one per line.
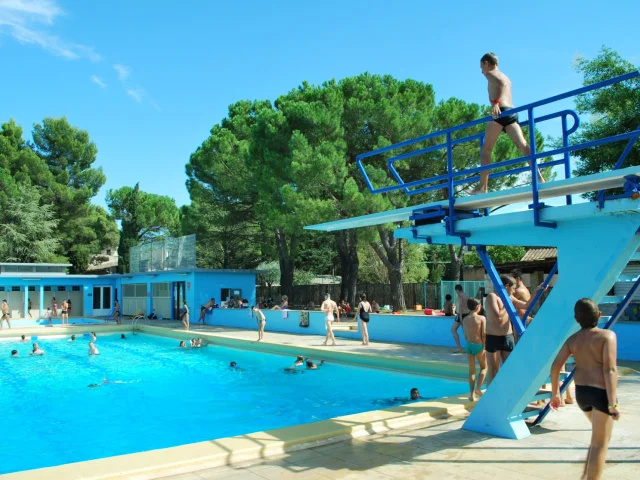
point(433, 448)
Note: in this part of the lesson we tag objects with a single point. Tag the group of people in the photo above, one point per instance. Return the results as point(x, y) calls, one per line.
point(36, 350)
point(489, 340)
point(193, 343)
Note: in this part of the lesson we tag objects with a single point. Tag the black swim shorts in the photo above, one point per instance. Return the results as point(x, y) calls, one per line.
point(460, 316)
point(589, 398)
point(500, 343)
point(508, 120)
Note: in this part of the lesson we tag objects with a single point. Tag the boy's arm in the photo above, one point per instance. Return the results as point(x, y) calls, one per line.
point(483, 333)
point(610, 370)
point(561, 359)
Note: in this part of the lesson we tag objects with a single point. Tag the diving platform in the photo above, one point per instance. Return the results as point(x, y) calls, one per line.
point(595, 239)
point(570, 186)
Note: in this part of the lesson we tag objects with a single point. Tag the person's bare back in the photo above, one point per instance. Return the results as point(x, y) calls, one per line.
point(522, 293)
point(496, 316)
point(587, 348)
point(473, 327)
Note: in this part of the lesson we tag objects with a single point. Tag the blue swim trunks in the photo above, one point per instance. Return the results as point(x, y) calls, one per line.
point(473, 348)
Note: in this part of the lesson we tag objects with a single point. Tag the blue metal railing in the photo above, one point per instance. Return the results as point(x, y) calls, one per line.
point(450, 179)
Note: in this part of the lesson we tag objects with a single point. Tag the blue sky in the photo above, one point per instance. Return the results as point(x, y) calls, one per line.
point(148, 79)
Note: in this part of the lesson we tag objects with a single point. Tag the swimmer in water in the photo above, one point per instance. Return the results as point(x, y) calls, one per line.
point(414, 395)
point(94, 337)
point(36, 350)
point(14, 353)
point(234, 366)
point(123, 337)
point(299, 361)
point(73, 338)
point(92, 349)
point(24, 339)
point(313, 366)
point(183, 344)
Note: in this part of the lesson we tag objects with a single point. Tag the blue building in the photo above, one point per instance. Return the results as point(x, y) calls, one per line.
point(94, 295)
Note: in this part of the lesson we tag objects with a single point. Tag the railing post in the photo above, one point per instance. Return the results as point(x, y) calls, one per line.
point(536, 205)
point(452, 198)
point(567, 155)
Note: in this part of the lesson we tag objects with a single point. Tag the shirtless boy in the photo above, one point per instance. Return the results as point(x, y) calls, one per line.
point(5, 314)
point(474, 329)
point(501, 98)
point(329, 307)
point(116, 312)
point(206, 307)
point(499, 339)
point(596, 380)
point(261, 321)
point(461, 311)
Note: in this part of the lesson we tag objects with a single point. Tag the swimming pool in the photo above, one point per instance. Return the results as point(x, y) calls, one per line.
point(164, 396)
point(54, 321)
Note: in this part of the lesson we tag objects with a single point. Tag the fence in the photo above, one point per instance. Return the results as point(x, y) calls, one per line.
point(166, 254)
point(425, 294)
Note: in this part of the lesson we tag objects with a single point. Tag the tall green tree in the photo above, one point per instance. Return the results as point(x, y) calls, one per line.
point(612, 110)
point(69, 155)
point(27, 228)
point(144, 216)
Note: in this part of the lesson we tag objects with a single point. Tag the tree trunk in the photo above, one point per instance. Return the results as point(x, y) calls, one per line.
point(347, 246)
point(393, 258)
point(454, 270)
point(287, 256)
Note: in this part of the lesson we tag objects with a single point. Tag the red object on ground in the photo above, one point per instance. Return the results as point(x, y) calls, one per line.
point(428, 311)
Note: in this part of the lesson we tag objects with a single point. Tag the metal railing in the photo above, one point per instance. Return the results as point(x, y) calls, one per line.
point(451, 179)
point(137, 318)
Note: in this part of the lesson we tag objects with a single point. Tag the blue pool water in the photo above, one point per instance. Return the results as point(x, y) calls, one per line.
point(54, 321)
point(168, 396)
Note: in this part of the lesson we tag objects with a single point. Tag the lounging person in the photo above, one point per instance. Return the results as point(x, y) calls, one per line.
point(449, 308)
point(462, 310)
point(596, 379)
point(260, 320)
point(329, 307)
point(374, 307)
point(501, 98)
point(363, 311)
point(92, 349)
point(36, 350)
point(474, 330)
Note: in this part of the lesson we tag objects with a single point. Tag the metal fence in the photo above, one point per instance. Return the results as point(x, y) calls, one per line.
point(425, 294)
point(166, 254)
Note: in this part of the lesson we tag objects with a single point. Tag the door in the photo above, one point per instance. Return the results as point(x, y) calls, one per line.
point(102, 301)
point(179, 296)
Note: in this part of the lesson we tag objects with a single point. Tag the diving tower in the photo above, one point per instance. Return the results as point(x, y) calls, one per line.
point(595, 241)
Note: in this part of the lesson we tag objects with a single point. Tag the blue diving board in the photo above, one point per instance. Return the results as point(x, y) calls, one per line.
point(560, 188)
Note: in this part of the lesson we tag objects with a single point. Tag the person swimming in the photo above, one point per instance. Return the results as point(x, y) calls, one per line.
point(123, 337)
point(414, 395)
point(234, 366)
point(73, 338)
point(14, 353)
point(23, 338)
point(92, 349)
point(313, 366)
point(183, 344)
point(36, 350)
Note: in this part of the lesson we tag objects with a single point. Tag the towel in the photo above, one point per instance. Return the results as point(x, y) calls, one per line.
point(285, 313)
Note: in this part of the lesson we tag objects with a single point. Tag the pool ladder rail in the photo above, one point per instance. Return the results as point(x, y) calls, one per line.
point(136, 319)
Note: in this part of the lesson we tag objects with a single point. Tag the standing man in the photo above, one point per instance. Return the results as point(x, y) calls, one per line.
point(116, 312)
point(329, 307)
point(521, 293)
point(462, 310)
point(260, 320)
point(5, 314)
point(203, 310)
point(499, 339)
point(596, 380)
point(501, 98)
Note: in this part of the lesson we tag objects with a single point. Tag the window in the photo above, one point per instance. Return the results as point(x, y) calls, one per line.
point(75, 288)
point(141, 290)
point(1, 289)
point(47, 288)
point(32, 288)
point(15, 289)
point(62, 289)
point(227, 293)
point(161, 290)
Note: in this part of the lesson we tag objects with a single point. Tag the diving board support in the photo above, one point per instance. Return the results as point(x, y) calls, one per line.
point(610, 324)
point(596, 258)
point(538, 294)
point(500, 289)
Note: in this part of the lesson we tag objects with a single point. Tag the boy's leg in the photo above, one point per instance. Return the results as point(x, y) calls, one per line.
point(490, 137)
point(472, 375)
point(602, 426)
point(493, 362)
point(456, 337)
point(482, 360)
point(515, 133)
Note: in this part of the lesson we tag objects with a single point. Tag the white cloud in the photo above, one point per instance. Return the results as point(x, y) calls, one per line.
point(96, 79)
point(123, 71)
point(26, 21)
point(137, 94)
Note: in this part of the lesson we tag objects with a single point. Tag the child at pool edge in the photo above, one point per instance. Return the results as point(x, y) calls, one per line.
point(474, 330)
point(596, 379)
point(260, 320)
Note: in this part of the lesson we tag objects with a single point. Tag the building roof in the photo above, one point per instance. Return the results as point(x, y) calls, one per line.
point(540, 255)
point(111, 262)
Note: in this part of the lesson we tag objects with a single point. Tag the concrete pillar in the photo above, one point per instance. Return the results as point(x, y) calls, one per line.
point(41, 300)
